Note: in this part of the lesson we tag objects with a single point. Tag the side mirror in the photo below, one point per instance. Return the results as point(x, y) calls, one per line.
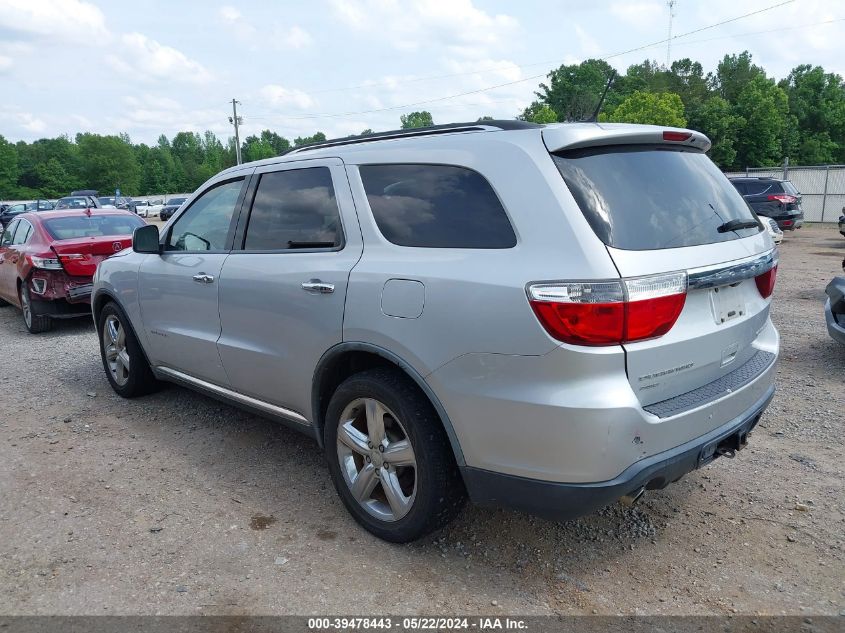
point(145, 240)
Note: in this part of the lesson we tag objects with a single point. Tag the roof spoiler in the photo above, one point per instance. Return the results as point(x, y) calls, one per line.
point(567, 136)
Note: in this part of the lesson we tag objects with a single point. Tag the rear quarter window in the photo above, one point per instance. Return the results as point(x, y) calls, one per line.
point(653, 197)
point(436, 206)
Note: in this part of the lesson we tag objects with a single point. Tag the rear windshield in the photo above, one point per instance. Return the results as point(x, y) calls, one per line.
point(94, 226)
point(651, 197)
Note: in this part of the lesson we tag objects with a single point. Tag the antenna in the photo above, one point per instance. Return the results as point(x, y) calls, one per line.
point(671, 4)
point(595, 116)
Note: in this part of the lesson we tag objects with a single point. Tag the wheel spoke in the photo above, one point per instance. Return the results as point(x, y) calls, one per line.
point(123, 360)
point(375, 421)
point(400, 454)
point(353, 438)
point(399, 503)
point(364, 483)
point(111, 326)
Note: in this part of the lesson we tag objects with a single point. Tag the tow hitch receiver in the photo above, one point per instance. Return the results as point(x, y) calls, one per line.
point(725, 447)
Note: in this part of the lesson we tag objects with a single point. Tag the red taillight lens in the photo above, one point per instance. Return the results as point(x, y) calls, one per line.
point(610, 312)
point(782, 197)
point(766, 282)
point(676, 136)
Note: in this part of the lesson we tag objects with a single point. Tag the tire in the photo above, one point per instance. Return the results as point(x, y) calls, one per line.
point(35, 323)
point(424, 496)
point(124, 362)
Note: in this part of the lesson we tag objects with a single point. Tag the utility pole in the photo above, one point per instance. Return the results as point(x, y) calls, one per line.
point(671, 4)
point(236, 121)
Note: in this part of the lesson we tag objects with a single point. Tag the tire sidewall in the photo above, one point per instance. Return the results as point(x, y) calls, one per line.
point(415, 419)
point(136, 355)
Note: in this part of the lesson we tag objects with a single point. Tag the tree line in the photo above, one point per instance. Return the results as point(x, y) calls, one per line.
point(752, 119)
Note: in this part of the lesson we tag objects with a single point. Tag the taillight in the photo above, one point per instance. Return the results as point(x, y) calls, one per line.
point(782, 197)
point(45, 263)
point(766, 282)
point(668, 135)
point(609, 312)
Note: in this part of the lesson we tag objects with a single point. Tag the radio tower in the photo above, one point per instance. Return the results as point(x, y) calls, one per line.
point(671, 4)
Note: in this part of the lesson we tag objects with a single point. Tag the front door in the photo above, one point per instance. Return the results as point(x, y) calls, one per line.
point(8, 264)
point(282, 290)
point(179, 288)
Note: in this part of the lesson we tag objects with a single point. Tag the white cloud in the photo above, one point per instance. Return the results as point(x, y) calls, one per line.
point(409, 26)
point(277, 95)
point(640, 15)
point(150, 59)
point(59, 20)
point(295, 37)
point(588, 44)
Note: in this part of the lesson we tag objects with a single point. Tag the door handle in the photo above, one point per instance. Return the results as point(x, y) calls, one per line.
point(318, 287)
point(202, 278)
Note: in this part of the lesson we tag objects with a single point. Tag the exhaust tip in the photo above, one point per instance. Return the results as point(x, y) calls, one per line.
point(631, 499)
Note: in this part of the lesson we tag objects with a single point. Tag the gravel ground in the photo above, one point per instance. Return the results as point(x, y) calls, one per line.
point(176, 504)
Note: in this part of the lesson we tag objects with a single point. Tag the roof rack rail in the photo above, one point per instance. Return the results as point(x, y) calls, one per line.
point(432, 130)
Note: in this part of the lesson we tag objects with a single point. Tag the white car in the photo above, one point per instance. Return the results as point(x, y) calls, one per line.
point(773, 230)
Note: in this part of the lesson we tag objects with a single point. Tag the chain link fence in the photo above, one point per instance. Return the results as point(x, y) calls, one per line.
point(822, 188)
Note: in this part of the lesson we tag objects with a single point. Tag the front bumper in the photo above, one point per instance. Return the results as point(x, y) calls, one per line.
point(564, 501)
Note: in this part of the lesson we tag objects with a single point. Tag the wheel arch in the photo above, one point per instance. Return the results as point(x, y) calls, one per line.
point(345, 359)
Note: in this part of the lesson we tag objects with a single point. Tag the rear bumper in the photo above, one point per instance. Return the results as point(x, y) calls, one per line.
point(564, 501)
point(834, 327)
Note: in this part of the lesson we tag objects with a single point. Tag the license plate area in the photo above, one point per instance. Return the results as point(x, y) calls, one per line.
point(727, 303)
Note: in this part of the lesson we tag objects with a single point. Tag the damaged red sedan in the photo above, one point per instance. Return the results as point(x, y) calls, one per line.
point(48, 260)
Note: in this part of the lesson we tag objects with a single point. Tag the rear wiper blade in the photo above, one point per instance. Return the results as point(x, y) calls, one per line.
point(735, 225)
point(292, 244)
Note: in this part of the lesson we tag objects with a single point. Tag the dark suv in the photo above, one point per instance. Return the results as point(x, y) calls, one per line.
point(773, 198)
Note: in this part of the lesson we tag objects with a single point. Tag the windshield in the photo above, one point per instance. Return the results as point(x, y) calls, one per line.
point(94, 226)
point(646, 197)
point(73, 203)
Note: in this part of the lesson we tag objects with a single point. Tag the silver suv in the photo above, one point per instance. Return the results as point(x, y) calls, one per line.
point(544, 317)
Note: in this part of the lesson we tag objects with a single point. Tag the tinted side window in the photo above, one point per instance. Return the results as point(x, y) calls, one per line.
point(436, 206)
point(23, 232)
point(205, 225)
point(9, 233)
point(294, 209)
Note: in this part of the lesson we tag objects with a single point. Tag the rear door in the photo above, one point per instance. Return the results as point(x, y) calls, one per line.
point(178, 289)
point(662, 209)
point(282, 290)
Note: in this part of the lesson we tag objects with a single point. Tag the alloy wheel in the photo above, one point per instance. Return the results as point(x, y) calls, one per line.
point(376, 459)
point(114, 346)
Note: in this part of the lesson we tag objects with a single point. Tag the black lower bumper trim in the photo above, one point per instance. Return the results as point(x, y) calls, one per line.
point(564, 501)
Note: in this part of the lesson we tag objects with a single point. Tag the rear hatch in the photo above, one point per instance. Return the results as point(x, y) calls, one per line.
point(777, 199)
point(83, 241)
point(661, 206)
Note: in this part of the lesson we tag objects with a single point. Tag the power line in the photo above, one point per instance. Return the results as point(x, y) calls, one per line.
point(532, 77)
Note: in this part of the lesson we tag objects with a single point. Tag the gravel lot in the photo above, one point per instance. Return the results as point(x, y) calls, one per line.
point(176, 504)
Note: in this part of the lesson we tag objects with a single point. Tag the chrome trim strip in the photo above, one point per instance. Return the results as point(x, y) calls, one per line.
point(732, 272)
point(234, 395)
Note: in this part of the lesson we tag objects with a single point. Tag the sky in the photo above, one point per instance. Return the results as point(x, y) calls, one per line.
point(151, 67)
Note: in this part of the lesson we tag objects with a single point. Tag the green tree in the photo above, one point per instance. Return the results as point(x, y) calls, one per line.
point(733, 73)
point(664, 108)
point(573, 91)
point(8, 169)
point(539, 113)
point(108, 162)
point(764, 108)
point(416, 119)
point(716, 119)
point(319, 137)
